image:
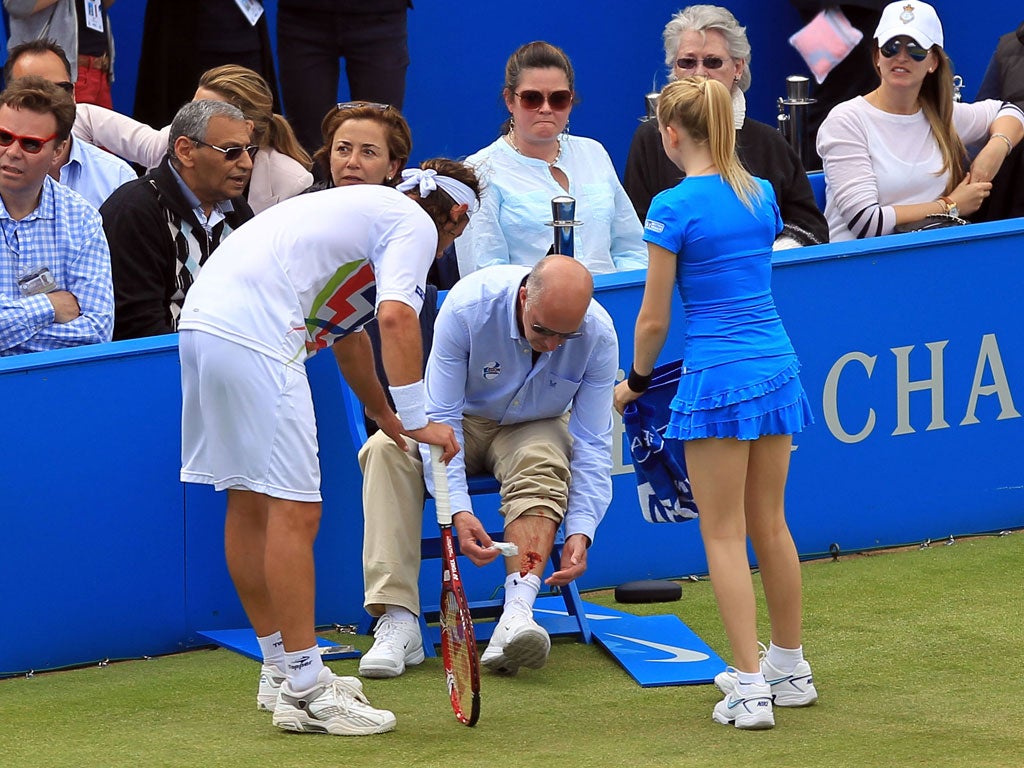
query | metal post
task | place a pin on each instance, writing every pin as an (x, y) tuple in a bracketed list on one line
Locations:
[(651, 105), (793, 122), (563, 220)]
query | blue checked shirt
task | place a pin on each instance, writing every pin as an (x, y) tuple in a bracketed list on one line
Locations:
[(480, 365), (63, 233)]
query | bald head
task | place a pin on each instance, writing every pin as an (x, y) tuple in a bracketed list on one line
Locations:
[(567, 279), (553, 304)]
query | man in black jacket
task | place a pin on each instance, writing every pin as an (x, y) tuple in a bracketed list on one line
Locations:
[(163, 227), (1004, 78)]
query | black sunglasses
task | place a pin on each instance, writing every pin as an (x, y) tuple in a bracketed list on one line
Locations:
[(33, 145), (691, 62), (914, 51), (231, 154), (66, 85), (532, 100), (538, 328)]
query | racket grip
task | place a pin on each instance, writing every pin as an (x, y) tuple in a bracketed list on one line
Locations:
[(440, 475)]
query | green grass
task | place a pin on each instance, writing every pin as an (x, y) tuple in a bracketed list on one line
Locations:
[(917, 656)]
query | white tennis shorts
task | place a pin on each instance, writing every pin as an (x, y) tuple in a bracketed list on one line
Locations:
[(247, 420)]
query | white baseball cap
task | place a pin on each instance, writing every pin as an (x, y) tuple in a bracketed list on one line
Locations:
[(913, 19)]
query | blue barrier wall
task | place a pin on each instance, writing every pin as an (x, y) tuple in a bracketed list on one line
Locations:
[(913, 355), (458, 53)]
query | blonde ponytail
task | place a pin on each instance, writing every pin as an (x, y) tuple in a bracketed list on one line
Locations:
[(703, 108)]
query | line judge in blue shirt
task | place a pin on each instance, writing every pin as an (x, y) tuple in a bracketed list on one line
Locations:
[(523, 367)]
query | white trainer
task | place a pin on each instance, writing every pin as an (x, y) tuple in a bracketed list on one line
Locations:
[(396, 644), (329, 707), (518, 641), (750, 711), (270, 686), (792, 689)]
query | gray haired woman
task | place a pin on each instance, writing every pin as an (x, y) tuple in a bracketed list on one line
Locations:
[(707, 40)]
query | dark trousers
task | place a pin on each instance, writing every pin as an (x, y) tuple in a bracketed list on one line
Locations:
[(1007, 198), (309, 46)]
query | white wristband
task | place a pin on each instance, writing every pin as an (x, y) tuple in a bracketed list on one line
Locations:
[(411, 404)]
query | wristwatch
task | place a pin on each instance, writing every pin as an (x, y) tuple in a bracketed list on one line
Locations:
[(950, 206)]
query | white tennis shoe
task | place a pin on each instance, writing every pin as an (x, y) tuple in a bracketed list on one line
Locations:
[(396, 644), (792, 689), (518, 641), (751, 711), (329, 707), (270, 686)]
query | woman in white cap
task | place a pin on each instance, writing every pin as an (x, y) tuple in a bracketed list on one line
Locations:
[(897, 155)]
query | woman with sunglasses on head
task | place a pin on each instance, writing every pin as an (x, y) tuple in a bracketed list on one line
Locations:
[(534, 160), (897, 155), (363, 143), (366, 142), (281, 167), (707, 40), (740, 400)]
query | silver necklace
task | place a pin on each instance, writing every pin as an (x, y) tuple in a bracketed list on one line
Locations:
[(551, 163)]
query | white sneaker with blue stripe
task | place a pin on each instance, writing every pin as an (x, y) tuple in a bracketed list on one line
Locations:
[(750, 710), (789, 689)]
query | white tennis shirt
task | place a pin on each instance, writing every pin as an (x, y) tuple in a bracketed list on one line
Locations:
[(312, 269)]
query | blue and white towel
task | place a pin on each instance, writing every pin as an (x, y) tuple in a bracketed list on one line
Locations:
[(662, 484)]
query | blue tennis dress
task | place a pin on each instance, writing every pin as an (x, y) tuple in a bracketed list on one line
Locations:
[(740, 375)]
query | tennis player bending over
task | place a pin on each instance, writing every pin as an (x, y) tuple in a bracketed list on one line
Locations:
[(522, 368), (304, 275)]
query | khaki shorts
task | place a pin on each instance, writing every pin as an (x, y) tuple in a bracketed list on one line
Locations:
[(530, 460)]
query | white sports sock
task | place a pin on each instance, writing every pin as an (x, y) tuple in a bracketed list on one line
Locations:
[(747, 679), (524, 588), (272, 648), (784, 659), (303, 668), (398, 613)]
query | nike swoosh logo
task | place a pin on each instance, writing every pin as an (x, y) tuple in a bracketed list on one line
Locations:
[(736, 702), (591, 616), (678, 654)]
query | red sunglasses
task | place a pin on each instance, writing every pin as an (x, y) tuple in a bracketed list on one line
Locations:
[(31, 144)]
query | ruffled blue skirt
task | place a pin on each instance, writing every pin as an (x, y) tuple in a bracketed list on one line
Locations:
[(742, 400)]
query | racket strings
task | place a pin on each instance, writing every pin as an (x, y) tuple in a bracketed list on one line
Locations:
[(460, 646)]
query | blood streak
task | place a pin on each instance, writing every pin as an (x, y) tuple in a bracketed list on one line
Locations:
[(530, 561)]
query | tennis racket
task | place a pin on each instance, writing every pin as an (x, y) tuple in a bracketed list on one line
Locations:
[(458, 643)]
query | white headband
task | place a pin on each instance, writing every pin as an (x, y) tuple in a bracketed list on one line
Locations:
[(428, 180)]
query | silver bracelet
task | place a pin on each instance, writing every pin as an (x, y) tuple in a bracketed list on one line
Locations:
[(1004, 137)]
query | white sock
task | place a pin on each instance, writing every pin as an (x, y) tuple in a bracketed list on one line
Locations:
[(398, 613), (272, 648), (523, 588), (784, 659), (747, 679), (303, 668)]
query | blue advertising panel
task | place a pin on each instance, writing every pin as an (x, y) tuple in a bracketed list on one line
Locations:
[(913, 358)]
